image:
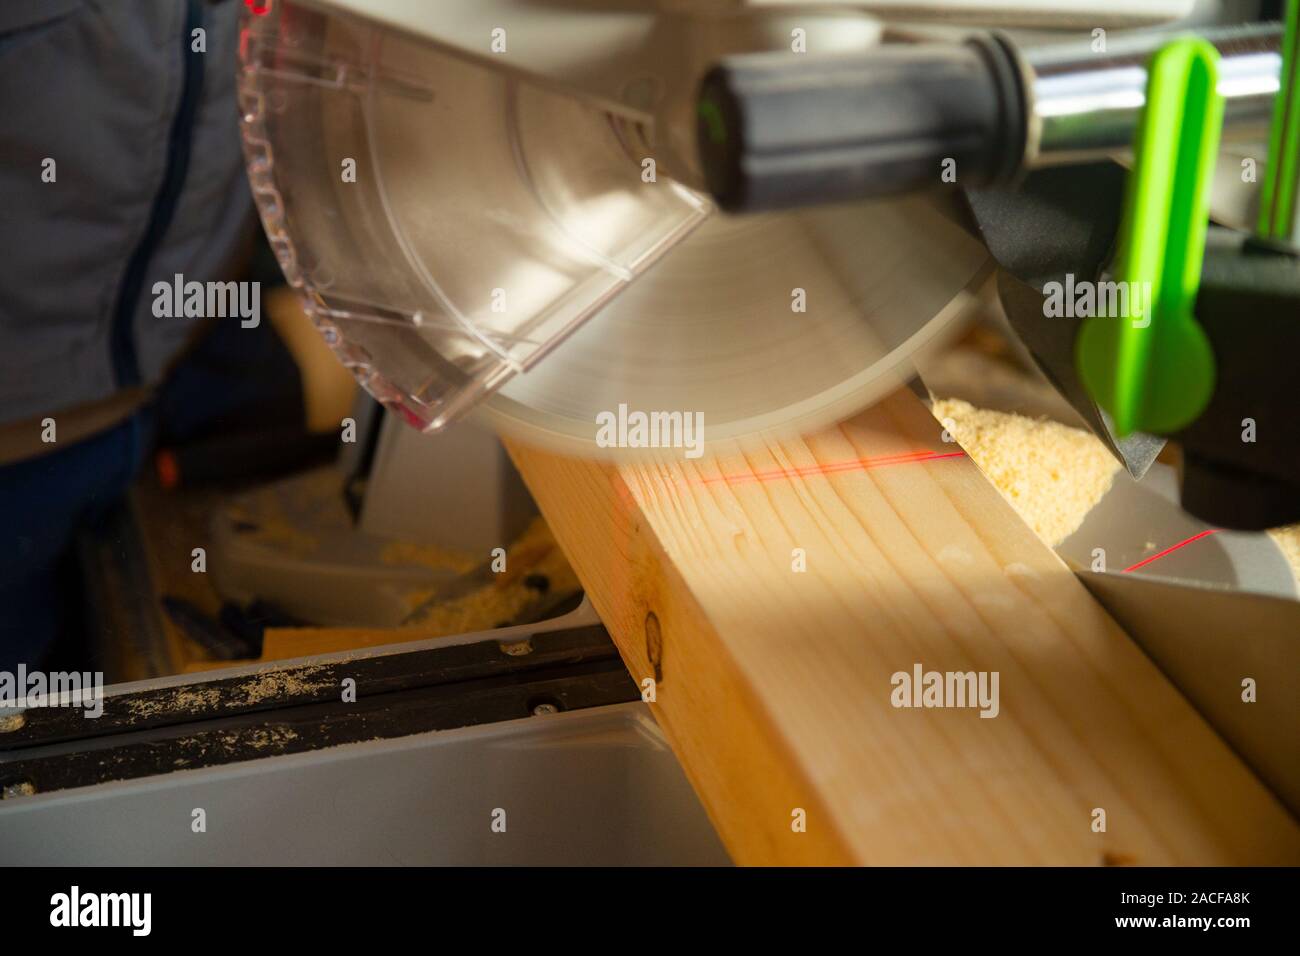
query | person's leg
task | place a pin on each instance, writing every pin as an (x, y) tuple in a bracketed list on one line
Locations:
[(43, 501)]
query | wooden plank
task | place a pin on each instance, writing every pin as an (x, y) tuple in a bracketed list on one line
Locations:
[(775, 685)]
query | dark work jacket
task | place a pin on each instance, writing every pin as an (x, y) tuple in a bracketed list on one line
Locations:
[(148, 183)]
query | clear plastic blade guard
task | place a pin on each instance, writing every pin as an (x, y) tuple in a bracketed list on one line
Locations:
[(448, 222)]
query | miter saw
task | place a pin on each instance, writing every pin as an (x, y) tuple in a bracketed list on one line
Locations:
[(541, 210), (513, 205)]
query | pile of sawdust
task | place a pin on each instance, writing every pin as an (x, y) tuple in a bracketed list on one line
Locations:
[(253, 689), (1051, 474), (277, 684), (183, 700), (534, 555), (1288, 542), (428, 556)]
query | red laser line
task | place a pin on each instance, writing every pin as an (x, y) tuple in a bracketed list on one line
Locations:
[(858, 463), (1180, 544)]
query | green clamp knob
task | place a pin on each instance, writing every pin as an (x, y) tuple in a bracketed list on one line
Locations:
[(1153, 369)]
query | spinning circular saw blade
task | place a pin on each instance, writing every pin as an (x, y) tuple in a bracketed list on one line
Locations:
[(787, 321)]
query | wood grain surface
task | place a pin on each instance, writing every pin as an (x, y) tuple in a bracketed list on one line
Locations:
[(774, 685)]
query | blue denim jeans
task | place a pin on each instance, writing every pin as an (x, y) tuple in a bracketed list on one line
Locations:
[(44, 501)]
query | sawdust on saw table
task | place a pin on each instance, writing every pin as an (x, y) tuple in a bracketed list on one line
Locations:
[(1052, 474), (508, 595)]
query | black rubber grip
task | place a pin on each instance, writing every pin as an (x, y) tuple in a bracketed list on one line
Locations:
[(782, 130)]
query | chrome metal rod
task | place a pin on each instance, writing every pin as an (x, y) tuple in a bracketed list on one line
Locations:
[(1086, 104)]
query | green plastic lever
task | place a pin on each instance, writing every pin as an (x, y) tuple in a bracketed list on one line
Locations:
[(1152, 369), (1277, 206)]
